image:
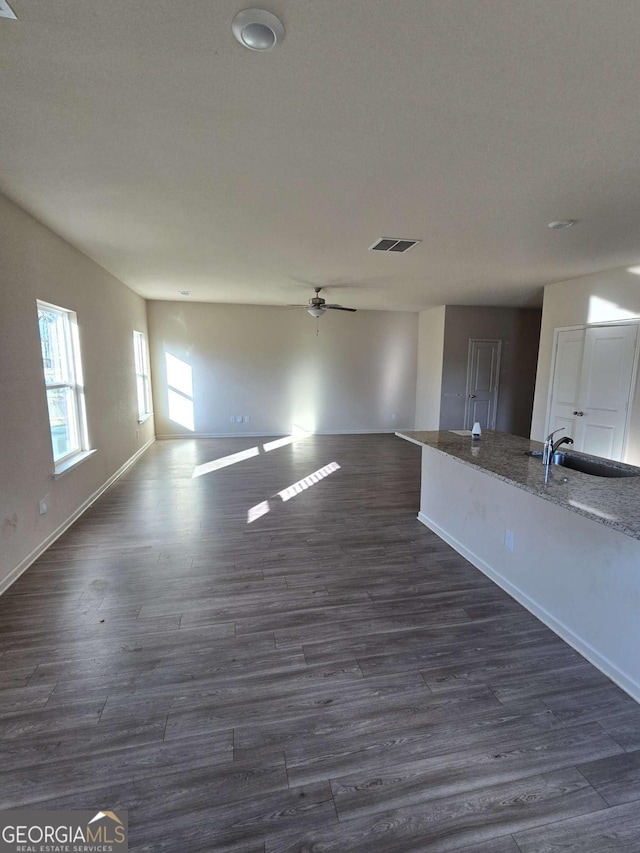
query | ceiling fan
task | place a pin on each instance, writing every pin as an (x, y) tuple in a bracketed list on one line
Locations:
[(317, 305)]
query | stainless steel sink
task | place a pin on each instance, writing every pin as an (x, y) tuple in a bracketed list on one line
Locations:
[(586, 464)]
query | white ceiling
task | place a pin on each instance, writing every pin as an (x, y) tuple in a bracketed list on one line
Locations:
[(144, 134)]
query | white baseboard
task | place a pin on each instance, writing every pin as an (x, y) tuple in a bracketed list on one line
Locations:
[(237, 434), (171, 436), (602, 663), (23, 565), (355, 432)]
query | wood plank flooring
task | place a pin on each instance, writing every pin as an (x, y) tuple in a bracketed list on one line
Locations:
[(275, 656)]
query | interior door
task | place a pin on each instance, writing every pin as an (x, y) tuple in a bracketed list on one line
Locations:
[(591, 387), (605, 388), (566, 382), (483, 378)]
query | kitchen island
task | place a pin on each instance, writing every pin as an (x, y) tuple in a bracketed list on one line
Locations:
[(567, 549)]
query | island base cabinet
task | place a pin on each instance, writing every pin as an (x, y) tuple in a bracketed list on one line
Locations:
[(581, 578)]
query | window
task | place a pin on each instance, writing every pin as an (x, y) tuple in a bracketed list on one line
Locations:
[(63, 380), (143, 386)]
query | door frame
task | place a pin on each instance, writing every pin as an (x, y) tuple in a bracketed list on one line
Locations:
[(635, 321), (468, 377)]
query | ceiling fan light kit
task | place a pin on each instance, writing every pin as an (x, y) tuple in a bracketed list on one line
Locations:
[(318, 306)]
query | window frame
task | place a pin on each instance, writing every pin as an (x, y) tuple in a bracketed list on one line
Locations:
[(71, 380), (142, 375)]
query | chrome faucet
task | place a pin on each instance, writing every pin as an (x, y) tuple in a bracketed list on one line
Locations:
[(564, 440), (547, 453)]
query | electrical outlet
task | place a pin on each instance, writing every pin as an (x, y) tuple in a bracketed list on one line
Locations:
[(247, 419), (232, 419), (509, 540), (393, 416), (238, 419), (43, 505)]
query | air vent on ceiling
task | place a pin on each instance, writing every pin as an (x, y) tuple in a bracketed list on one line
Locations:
[(393, 244), (6, 11)]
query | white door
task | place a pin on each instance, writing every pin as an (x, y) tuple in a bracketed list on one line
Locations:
[(605, 388), (483, 377), (591, 387), (566, 381)]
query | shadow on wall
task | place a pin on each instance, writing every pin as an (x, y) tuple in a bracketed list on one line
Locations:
[(515, 401)]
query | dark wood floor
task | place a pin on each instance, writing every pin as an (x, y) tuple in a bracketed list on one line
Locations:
[(328, 677)]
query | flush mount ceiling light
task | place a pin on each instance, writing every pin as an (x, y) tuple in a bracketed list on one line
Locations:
[(562, 223), (257, 29), (634, 270)]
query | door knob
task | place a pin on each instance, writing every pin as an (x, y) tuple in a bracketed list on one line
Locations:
[(578, 414), (473, 396)]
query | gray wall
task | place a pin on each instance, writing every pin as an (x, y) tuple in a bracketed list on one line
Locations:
[(519, 330)]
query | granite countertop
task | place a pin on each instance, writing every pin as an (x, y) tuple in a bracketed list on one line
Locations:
[(614, 502)]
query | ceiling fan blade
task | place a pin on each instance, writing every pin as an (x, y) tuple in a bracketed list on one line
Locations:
[(339, 308)]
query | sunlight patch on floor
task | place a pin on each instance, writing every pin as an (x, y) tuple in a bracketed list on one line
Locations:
[(306, 483), (297, 433), (224, 462), (258, 511), (291, 491)]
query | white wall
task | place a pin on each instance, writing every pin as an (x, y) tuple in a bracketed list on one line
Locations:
[(430, 361), (606, 296), (37, 264), (268, 363)]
